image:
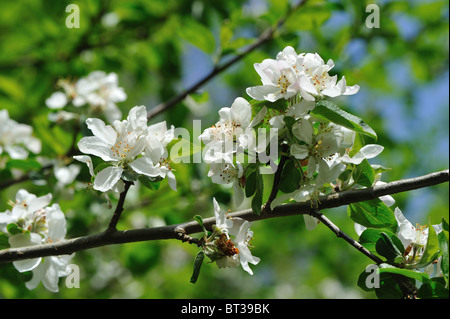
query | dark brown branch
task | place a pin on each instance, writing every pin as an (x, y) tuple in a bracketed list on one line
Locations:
[(263, 38), (340, 234), (409, 290), (276, 183), (119, 209), (181, 230)]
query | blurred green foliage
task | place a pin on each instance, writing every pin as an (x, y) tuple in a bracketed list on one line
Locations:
[(160, 47)]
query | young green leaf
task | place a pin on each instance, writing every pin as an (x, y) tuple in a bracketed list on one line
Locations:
[(197, 266), (197, 34), (24, 165), (199, 220), (431, 249), (444, 248), (329, 111), (14, 229)]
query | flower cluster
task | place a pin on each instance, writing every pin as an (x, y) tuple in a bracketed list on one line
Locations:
[(16, 139), (129, 149), (226, 140), (229, 243), (292, 74), (31, 221), (98, 90), (314, 135)]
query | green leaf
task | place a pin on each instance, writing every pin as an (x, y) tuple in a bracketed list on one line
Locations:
[(24, 165), (14, 229), (444, 224), (257, 202), (431, 249), (389, 247), (444, 248), (4, 243), (373, 214), (310, 17), (364, 174), (389, 288), (149, 182), (257, 199), (197, 34), (199, 220), (250, 184), (370, 236), (197, 266), (280, 105), (329, 111), (434, 288), (386, 268), (290, 177)]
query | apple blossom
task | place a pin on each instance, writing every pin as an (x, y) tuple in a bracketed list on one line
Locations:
[(98, 89), (229, 243), (222, 139), (120, 144), (227, 173), (293, 74), (36, 223), (16, 139)]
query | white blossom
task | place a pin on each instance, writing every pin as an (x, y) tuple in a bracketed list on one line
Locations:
[(37, 224), (119, 144), (98, 89), (16, 139)]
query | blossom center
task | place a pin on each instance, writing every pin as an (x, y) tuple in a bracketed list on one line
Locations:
[(283, 83), (228, 173), (121, 149), (226, 246), (225, 131)]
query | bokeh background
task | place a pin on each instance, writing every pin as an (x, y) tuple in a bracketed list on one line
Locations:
[(160, 47)]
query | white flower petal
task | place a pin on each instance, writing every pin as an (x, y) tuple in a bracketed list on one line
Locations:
[(56, 101), (107, 178), (144, 165), (40, 202), (310, 222), (299, 151), (270, 93), (371, 150), (95, 146), (86, 159), (24, 240), (104, 132)]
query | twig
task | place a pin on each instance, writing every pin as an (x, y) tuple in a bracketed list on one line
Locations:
[(408, 290), (173, 231), (339, 233), (119, 209)]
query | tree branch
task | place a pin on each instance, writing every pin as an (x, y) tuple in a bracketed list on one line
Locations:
[(180, 231), (119, 209), (265, 36), (340, 234)]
